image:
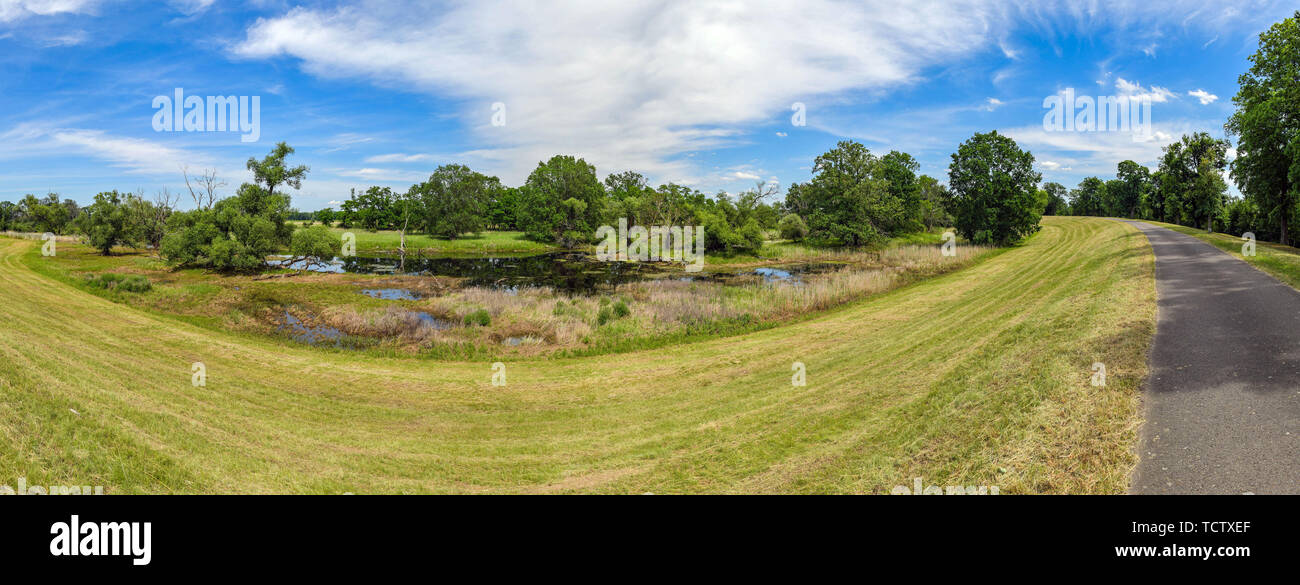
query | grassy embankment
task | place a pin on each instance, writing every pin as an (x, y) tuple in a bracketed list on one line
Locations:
[(976, 377), (1283, 262)]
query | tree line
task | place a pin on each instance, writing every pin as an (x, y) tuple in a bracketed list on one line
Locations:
[(1188, 187)]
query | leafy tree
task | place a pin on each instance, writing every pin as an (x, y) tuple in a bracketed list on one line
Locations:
[(326, 216), (561, 202), (1089, 198), (1191, 195), (239, 232), (899, 170), (45, 215), (374, 209), (108, 222), (1132, 183), (1056, 202), (849, 201), (792, 227), (936, 203), (453, 201), (270, 172), (316, 243), (1267, 124), (501, 211), (8, 216), (995, 190)]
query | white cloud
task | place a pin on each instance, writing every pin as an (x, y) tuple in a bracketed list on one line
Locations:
[(133, 154), (627, 85), (1206, 98), (12, 10), (745, 175), (991, 104), (782, 134), (1134, 89)]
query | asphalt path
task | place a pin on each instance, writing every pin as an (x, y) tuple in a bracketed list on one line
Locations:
[(1222, 403)]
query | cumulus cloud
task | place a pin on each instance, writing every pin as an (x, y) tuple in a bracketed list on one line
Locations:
[(627, 85), (1134, 89), (1206, 98)]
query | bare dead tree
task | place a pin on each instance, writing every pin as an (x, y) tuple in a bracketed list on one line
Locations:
[(204, 188), (164, 204)]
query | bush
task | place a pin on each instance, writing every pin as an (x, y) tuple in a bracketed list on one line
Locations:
[(792, 227), (111, 281), (604, 316), (316, 242), (621, 310), (479, 317)]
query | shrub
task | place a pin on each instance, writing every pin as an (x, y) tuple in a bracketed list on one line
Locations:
[(792, 227), (479, 317), (111, 281), (621, 310), (604, 316)]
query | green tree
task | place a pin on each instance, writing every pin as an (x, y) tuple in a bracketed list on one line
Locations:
[(239, 232), (1267, 124), (562, 202), (1056, 202), (107, 223), (995, 190), (316, 244), (792, 227), (848, 201), (454, 201), (1191, 196), (1132, 184), (271, 172), (936, 203), (1089, 198)]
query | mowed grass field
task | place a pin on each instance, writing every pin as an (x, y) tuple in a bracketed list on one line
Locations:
[(976, 377)]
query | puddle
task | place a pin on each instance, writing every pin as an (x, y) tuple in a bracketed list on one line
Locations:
[(391, 294), (301, 332), (431, 321)]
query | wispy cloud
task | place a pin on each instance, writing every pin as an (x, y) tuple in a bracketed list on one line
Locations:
[(13, 10)]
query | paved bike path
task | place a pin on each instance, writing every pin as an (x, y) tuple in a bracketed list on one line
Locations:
[(1223, 398)]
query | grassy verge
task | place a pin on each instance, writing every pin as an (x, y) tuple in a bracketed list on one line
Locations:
[(976, 377), (1283, 262), (484, 244)]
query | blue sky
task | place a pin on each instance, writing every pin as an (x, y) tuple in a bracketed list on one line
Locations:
[(701, 93)]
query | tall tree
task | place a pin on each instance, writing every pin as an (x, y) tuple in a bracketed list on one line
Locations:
[(1056, 202), (849, 201), (562, 201), (270, 172), (1089, 198), (453, 201), (995, 190), (1267, 125), (108, 222), (1132, 183)]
